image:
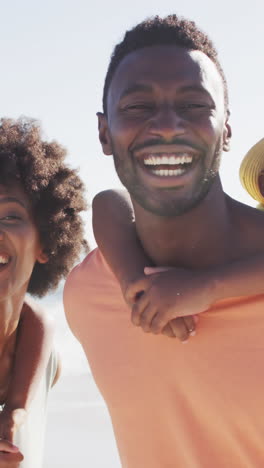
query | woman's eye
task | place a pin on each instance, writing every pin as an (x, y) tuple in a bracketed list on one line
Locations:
[(10, 218)]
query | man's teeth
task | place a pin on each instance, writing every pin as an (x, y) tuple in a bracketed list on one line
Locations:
[(153, 161), (168, 172), (167, 159), (3, 259)]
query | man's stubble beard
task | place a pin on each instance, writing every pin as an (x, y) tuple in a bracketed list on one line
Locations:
[(155, 202)]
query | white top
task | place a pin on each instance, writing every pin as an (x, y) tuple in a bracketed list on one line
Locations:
[(30, 436)]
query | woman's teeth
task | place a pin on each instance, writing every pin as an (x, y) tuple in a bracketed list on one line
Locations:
[(4, 259)]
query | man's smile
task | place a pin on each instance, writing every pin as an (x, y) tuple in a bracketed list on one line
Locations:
[(167, 162)]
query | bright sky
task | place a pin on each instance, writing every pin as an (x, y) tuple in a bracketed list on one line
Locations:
[(54, 56)]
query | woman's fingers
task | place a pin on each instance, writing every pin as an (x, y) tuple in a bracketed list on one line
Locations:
[(134, 290), (138, 308), (6, 446), (180, 329), (167, 331), (190, 323), (153, 270)]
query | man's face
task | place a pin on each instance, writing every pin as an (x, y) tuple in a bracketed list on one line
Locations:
[(166, 126)]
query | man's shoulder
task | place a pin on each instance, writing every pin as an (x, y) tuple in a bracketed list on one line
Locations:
[(92, 265), (90, 290), (246, 214), (248, 223), (88, 279)]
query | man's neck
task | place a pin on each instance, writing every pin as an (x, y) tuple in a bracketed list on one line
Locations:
[(200, 238)]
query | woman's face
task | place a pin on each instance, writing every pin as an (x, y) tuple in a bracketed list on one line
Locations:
[(19, 242)]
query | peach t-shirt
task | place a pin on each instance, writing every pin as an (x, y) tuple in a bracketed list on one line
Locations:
[(198, 405)]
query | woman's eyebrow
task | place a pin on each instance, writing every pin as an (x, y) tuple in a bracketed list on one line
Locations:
[(12, 200)]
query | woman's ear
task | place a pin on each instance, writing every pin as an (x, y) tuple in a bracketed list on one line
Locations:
[(42, 257), (104, 137)]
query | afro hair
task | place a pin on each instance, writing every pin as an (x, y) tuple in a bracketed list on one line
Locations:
[(56, 194)]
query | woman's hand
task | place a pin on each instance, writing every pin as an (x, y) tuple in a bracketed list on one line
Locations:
[(10, 456), (166, 295), (10, 421)]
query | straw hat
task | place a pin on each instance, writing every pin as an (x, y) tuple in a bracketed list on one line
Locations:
[(250, 170)]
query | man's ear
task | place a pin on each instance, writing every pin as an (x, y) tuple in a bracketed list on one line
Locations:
[(104, 134), (227, 134), (42, 257)]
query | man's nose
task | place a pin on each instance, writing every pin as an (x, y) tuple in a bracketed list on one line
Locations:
[(167, 123)]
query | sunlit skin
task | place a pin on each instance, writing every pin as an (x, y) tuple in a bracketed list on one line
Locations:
[(170, 101), (19, 250), (175, 107), (19, 243), (180, 108)]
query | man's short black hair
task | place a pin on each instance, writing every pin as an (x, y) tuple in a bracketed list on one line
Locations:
[(170, 30)]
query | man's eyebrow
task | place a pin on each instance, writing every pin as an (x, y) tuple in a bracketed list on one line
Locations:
[(135, 88), (12, 200), (147, 88), (194, 88)]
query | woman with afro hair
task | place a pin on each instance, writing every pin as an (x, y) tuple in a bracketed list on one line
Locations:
[(41, 237)]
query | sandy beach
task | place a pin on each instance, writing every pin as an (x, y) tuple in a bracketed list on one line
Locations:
[(79, 432)]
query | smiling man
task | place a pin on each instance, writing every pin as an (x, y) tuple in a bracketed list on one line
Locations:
[(141, 98), (165, 122)]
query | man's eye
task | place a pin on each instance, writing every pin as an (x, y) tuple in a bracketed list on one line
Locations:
[(136, 107), (194, 106)]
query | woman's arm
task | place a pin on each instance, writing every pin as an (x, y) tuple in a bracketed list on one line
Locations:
[(115, 234), (178, 292), (33, 349)]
